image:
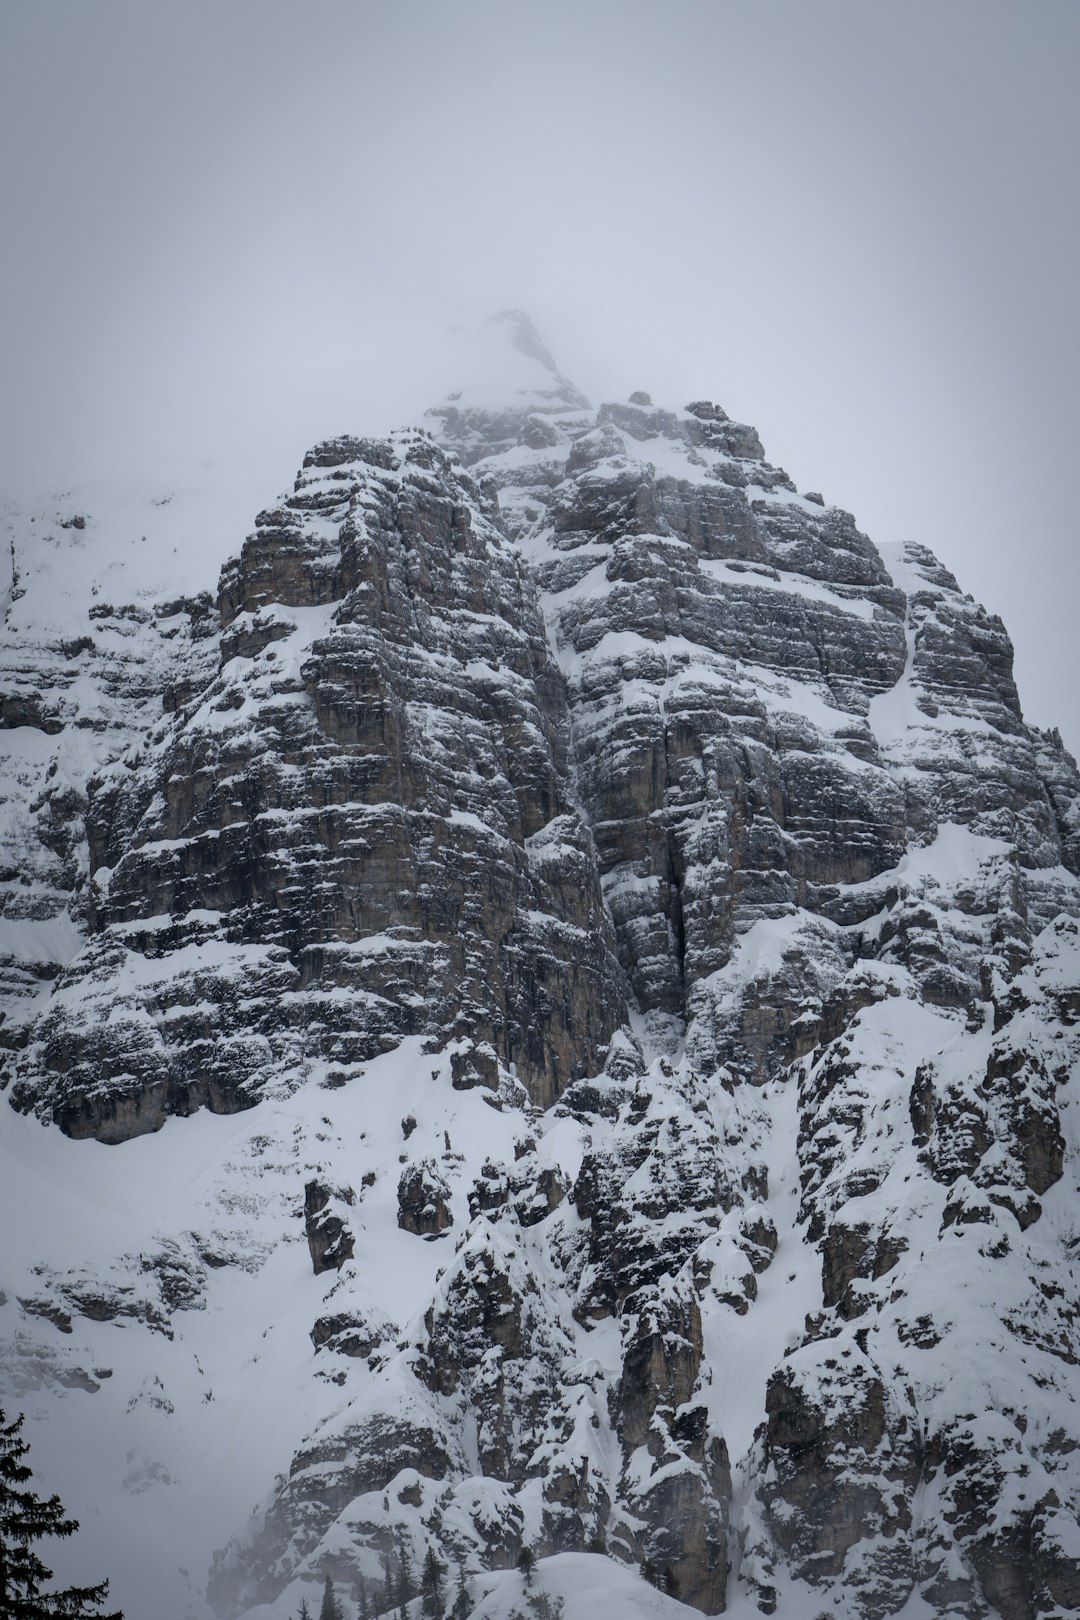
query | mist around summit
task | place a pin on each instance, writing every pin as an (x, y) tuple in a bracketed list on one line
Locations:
[(799, 212)]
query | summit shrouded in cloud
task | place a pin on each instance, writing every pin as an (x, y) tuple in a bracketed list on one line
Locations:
[(503, 362), (799, 209)]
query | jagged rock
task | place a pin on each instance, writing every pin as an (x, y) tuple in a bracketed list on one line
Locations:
[(851, 1253), (323, 1480), (423, 1200), (660, 1367), (346, 1335), (371, 798), (476, 1066), (843, 1465), (329, 1239)]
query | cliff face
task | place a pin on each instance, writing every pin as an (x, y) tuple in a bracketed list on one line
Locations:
[(360, 828), (636, 934)]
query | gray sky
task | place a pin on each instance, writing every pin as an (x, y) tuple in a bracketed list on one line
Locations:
[(231, 227)]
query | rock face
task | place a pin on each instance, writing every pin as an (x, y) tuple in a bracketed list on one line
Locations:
[(641, 934), (361, 828)]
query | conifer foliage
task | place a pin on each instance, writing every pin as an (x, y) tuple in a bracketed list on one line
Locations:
[(24, 1520), (462, 1602), (330, 1609), (431, 1587)]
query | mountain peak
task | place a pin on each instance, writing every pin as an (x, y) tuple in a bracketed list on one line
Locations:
[(524, 336), (501, 372)]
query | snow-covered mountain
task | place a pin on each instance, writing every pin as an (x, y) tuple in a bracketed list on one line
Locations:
[(540, 1011)]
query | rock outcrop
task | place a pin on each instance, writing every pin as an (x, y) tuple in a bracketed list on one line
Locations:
[(361, 827)]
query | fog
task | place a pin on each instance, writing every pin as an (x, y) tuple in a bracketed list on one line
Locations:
[(229, 229)]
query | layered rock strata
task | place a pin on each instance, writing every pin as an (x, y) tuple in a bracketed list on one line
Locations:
[(360, 828)]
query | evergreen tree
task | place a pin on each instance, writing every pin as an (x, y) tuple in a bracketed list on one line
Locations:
[(331, 1609), (543, 1607), (406, 1580), (462, 1602), (526, 1563), (305, 1612), (25, 1519), (360, 1598), (431, 1586)]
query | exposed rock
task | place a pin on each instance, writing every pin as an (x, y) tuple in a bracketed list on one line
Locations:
[(365, 825), (423, 1200), (328, 1235), (475, 1066), (345, 1335), (844, 1468)]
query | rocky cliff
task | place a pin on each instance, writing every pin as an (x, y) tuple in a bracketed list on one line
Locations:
[(631, 936)]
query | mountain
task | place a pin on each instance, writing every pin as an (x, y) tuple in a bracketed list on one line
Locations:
[(541, 1012)]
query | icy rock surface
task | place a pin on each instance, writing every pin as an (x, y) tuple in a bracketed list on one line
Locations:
[(617, 938)]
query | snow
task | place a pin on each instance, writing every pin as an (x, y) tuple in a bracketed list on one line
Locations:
[(236, 1183), (41, 940), (892, 713), (142, 542), (789, 584), (744, 1350)]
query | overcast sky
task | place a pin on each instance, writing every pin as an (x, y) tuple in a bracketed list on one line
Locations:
[(232, 227)]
